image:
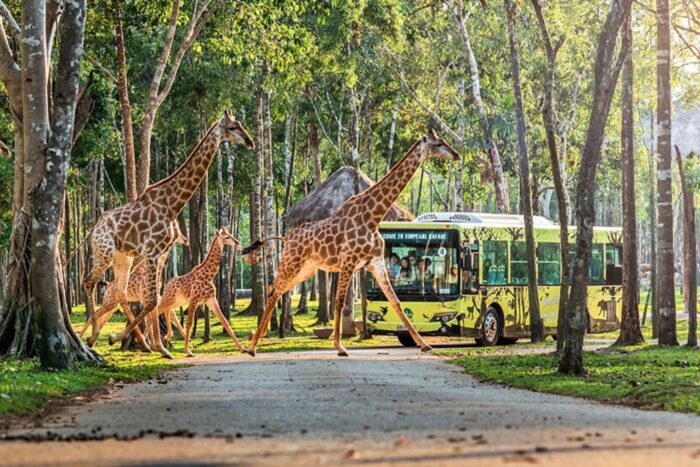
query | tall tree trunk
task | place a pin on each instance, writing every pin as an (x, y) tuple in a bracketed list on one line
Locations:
[(653, 229), (123, 93), (536, 324), (630, 332), (557, 174), (607, 70), (499, 179), (323, 307), (666, 289), (690, 260)]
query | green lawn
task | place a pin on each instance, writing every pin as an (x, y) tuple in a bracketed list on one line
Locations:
[(648, 377)]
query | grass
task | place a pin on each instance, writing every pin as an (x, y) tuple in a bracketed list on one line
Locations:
[(27, 390), (647, 377)]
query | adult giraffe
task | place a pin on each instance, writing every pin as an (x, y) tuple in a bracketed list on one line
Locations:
[(144, 227), (349, 240)]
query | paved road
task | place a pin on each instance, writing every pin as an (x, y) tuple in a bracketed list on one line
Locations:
[(379, 407)]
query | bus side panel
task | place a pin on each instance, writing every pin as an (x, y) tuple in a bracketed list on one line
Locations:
[(604, 307), (470, 310), (549, 307)]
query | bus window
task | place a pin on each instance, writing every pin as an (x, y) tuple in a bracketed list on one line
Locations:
[(613, 264), (518, 263), (470, 268), (595, 271), (548, 270), (495, 262)]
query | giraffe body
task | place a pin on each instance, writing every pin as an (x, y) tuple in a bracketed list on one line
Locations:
[(350, 240), (197, 288), (144, 227), (136, 291)]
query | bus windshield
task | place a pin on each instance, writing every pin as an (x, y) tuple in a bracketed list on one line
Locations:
[(422, 265)]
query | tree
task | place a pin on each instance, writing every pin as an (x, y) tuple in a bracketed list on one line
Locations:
[(557, 176), (499, 179), (606, 72), (44, 132), (536, 324), (630, 332), (666, 287), (690, 262)]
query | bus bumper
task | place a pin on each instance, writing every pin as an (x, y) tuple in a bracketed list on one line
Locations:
[(432, 328)]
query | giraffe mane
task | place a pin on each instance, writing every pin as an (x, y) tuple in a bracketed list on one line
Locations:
[(179, 169)]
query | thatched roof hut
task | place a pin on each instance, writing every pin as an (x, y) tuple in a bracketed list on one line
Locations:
[(325, 200)]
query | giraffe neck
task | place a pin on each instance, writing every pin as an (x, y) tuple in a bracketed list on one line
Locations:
[(379, 197), (210, 266), (175, 191)]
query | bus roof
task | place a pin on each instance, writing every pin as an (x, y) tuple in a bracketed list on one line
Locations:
[(500, 222)]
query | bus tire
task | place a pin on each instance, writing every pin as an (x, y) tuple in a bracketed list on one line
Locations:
[(406, 339), (491, 328)]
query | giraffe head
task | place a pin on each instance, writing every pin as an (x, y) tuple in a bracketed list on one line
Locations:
[(232, 130), (431, 145), (228, 239)]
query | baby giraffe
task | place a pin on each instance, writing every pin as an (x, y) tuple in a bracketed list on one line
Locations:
[(196, 288), (137, 291)]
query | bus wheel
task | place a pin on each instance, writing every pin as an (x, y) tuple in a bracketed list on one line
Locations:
[(491, 328), (406, 339)]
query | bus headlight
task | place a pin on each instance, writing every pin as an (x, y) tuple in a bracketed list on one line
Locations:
[(374, 316), (443, 317)]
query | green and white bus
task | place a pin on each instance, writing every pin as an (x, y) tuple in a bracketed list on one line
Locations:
[(465, 275)]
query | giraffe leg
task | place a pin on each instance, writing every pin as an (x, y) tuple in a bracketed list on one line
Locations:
[(102, 259), (191, 312), (377, 268), (344, 279), (177, 323), (150, 303), (288, 277), (140, 338), (168, 325), (213, 305), (157, 339), (109, 306)]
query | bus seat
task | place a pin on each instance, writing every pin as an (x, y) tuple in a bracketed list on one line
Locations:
[(501, 276), (491, 277)]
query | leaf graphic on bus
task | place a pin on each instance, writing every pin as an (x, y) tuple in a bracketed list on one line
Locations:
[(383, 310)]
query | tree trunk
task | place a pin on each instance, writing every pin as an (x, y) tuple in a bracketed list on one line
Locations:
[(606, 73), (690, 261), (536, 324), (653, 229), (666, 289), (499, 179), (557, 174), (630, 332), (123, 93)]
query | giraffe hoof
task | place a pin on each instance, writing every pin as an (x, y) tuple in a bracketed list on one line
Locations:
[(167, 355), (251, 352), (426, 348), (343, 353), (190, 355), (112, 339)]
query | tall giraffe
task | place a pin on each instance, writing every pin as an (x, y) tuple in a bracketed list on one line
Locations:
[(144, 227), (136, 291), (197, 288), (350, 240)]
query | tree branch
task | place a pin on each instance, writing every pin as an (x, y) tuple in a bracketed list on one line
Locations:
[(164, 55), (11, 23)]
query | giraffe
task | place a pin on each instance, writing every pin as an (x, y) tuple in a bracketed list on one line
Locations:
[(196, 288), (350, 240), (144, 227), (137, 290)]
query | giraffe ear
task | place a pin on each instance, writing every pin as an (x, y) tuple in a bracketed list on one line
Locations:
[(432, 132)]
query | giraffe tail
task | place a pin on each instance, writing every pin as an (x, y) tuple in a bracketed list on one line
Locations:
[(251, 253)]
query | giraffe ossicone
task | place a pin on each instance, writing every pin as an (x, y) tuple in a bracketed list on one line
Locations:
[(350, 240)]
